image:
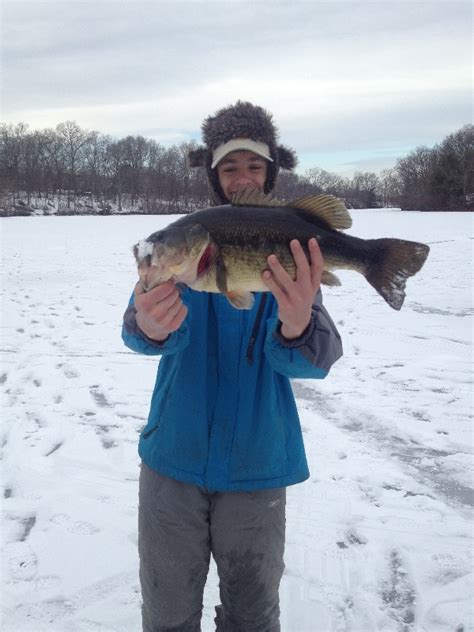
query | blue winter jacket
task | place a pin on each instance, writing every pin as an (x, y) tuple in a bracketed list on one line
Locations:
[(218, 420)]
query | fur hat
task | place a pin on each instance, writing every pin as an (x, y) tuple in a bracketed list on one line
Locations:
[(242, 120)]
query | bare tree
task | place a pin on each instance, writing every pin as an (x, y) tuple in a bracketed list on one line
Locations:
[(363, 189), (452, 177), (54, 163), (117, 165), (75, 139), (290, 186), (415, 171), (139, 172), (389, 187), (328, 182), (154, 176), (12, 139)]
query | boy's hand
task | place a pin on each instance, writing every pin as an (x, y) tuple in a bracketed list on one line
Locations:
[(159, 311), (295, 298)]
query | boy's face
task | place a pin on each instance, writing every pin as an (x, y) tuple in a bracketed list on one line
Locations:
[(241, 169)]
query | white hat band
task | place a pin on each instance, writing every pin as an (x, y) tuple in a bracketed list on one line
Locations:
[(236, 144)]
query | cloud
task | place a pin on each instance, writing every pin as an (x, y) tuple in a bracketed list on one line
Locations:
[(336, 75)]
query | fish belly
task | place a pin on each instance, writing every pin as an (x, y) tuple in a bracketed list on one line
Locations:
[(244, 266)]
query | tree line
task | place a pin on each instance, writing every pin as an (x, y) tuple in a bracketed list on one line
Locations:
[(72, 170)]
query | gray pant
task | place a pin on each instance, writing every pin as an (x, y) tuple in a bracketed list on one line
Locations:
[(180, 525)]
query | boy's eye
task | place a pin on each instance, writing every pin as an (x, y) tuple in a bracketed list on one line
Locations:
[(233, 169)]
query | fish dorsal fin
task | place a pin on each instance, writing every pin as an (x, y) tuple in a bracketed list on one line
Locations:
[(329, 209), (253, 197)]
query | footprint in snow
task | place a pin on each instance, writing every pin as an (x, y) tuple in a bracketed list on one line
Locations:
[(70, 373), (99, 397), (74, 526), (399, 593), (51, 611), (46, 582), (79, 625), (450, 568), (47, 611), (54, 448), (120, 582), (351, 538), (107, 444), (27, 524), (22, 561)]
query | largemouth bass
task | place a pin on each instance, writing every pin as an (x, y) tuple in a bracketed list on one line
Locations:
[(225, 248)]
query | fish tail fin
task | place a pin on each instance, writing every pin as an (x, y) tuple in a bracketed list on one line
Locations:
[(391, 263)]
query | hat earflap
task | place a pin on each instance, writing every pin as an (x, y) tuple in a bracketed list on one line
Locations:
[(197, 157), (286, 157)]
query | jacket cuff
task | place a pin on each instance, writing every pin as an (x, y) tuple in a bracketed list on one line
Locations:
[(151, 341), (294, 343), (174, 341), (131, 325)]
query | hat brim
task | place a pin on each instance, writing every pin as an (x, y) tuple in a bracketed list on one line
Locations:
[(240, 144)]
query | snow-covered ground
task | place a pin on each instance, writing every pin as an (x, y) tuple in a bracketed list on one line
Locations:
[(380, 537)]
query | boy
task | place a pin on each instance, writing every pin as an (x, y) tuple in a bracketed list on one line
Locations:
[(223, 438)]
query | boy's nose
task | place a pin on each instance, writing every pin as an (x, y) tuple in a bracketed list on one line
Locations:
[(243, 181)]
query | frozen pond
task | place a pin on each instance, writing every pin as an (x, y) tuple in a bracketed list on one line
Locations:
[(380, 537)]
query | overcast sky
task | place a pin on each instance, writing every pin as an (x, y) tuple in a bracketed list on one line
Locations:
[(352, 85)]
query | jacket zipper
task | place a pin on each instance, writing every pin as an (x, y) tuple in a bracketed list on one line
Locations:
[(256, 327)]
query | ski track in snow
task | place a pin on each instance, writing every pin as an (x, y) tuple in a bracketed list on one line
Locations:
[(379, 538)]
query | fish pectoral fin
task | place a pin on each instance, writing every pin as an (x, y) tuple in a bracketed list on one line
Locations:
[(221, 274), (326, 208), (240, 299), (329, 278)]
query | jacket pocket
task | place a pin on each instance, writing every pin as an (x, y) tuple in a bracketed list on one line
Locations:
[(159, 401), (259, 449), (149, 432)]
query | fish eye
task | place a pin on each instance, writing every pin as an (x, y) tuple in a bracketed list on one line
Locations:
[(157, 237)]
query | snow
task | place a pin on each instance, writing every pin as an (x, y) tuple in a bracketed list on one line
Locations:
[(144, 248), (379, 538)]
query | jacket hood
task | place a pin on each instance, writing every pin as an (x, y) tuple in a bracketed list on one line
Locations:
[(242, 120)]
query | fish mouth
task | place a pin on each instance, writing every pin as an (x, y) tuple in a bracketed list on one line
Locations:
[(146, 273)]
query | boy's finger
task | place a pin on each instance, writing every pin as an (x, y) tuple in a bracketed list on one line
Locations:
[(302, 264), (158, 293), (317, 262), (139, 289), (279, 272), (273, 286)]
